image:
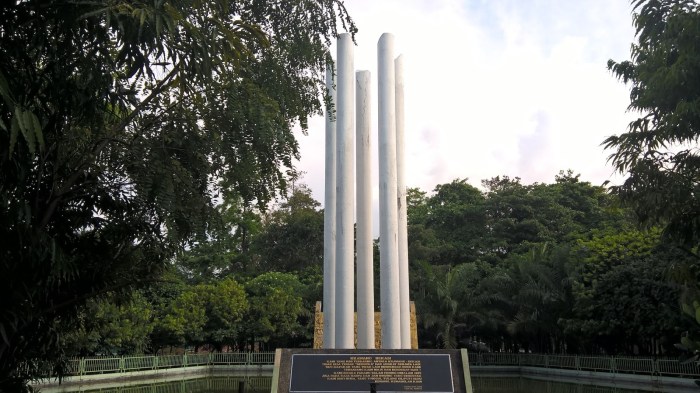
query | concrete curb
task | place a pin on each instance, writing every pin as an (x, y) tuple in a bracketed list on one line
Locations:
[(102, 381), (619, 380)]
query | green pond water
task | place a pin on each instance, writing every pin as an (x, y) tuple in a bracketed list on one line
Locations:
[(220, 384)]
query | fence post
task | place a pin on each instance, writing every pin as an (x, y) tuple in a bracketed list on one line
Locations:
[(249, 358), (184, 359), (81, 366), (155, 362), (577, 362), (121, 364), (613, 365)]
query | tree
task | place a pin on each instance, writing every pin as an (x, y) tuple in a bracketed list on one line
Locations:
[(453, 301), (658, 151), (540, 297), (225, 305), (112, 326), (226, 246), (519, 237), (202, 314), (520, 216), (121, 122), (442, 303), (623, 301), (417, 205), (185, 317), (456, 215), (275, 306), (515, 215), (590, 206), (291, 238)]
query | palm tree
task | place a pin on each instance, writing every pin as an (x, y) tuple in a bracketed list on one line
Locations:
[(453, 299), (539, 297)]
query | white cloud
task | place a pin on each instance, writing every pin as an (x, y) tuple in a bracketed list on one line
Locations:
[(496, 87)]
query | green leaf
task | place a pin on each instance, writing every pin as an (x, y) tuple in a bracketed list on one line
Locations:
[(686, 357), (33, 120), (4, 334), (172, 12), (5, 90), (96, 12), (689, 343), (25, 130), (14, 130), (159, 25), (687, 309)]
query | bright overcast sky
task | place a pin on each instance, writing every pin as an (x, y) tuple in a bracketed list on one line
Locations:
[(495, 87)]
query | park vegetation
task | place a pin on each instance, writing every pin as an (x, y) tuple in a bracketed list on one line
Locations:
[(122, 123), (545, 268), (141, 144)]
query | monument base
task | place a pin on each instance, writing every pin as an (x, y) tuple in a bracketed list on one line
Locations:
[(371, 370), (318, 328)]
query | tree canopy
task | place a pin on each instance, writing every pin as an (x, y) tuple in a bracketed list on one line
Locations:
[(122, 122), (556, 267), (659, 149)]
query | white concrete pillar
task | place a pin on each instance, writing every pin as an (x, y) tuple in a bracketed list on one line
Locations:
[(329, 213), (388, 209), (363, 237), (345, 256), (401, 201)]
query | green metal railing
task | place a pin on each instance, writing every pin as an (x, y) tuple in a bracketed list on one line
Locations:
[(124, 364), (619, 365)]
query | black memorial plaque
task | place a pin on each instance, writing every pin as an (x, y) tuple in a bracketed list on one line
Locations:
[(355, 372)]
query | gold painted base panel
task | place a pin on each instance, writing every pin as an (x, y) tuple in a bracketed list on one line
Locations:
[(318, 328)]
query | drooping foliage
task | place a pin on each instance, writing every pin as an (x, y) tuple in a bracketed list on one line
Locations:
[(659, 149), (121, 122)]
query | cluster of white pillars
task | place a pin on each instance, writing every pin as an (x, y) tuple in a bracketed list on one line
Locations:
[(342, 130)]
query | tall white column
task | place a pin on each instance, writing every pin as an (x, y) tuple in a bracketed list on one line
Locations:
[(329, 213), (363, 238), (344, 281), (402, 219), (388, 209)]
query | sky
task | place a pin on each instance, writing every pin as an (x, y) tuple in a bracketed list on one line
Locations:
[(495, 87)]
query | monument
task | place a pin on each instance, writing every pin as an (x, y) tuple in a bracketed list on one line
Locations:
[(349, 360)]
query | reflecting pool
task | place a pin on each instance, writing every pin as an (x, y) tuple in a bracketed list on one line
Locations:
[(528, 385), (248, 384)]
